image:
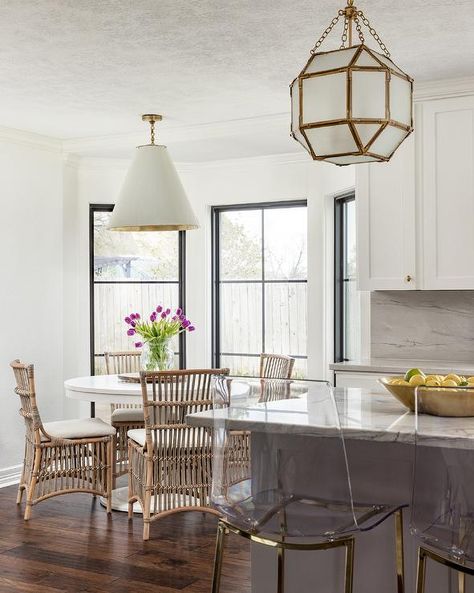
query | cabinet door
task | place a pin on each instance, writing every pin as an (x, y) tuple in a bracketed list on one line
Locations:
[(385, 204), (448, 193)]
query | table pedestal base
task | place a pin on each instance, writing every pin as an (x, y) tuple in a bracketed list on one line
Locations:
[(120, 501)]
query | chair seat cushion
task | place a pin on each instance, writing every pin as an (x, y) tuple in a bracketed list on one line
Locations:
[(137, 435), (78, 429), (127, 415)]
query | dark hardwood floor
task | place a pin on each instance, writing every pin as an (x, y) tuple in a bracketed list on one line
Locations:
[(71, 546)]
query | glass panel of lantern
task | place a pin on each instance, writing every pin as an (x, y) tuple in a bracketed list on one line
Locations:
[(332, 140), (324, 98)]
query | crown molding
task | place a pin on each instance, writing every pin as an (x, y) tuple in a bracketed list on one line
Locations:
[(289, 158), (31, 139), (443, 89), (99, 163), (86, 162), (172, 134)]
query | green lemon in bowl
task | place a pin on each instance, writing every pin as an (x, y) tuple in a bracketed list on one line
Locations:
[(412, 372)]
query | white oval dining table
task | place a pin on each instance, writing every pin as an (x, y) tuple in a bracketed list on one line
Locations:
[(109, 389), (103, 389)]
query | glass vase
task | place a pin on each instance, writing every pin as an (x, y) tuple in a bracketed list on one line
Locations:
[(157, 355)]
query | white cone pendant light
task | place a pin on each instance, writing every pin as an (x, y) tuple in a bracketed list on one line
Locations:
[(152, 196), (351, 105)]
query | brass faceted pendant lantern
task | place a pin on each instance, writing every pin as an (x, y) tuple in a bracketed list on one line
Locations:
[(351, 105)]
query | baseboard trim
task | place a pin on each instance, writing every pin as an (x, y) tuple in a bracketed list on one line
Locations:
[(10, 475)]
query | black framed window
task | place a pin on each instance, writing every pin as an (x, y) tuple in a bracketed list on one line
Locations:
[(130, 272), (259, 284), (347, 322)]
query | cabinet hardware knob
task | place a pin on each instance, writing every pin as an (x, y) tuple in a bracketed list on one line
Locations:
[(408, 278)]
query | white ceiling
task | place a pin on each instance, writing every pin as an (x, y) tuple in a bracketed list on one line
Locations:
[(71, 69)]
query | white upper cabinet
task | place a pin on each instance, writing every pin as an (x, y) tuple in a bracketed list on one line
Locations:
[(386, 222), (447, 193), (415, 214)]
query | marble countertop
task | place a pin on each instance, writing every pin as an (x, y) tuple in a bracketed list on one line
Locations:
[(363, 414), (397, 366)]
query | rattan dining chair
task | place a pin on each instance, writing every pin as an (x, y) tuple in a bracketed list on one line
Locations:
[(442, 509), (288, 500), (272, 366), (64, 456), (170, 461), (276, 366), (124, 417)]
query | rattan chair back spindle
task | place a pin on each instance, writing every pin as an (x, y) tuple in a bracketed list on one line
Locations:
[(52, 465), (117, 363), (122, 362), (171, 471), (276, 366), (25, 388)]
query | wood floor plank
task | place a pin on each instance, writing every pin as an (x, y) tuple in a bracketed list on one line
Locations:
[(71, 546)]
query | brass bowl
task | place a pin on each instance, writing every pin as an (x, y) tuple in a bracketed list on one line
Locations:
[(437, 401)]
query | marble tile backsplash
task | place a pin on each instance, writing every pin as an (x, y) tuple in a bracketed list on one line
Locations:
[(423, 325)]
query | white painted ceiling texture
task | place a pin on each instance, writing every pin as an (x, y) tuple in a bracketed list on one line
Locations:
[(72, 69)]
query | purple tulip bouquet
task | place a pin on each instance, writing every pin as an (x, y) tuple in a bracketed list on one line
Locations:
[(157, 333)]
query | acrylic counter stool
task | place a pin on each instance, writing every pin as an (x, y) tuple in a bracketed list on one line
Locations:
[(442, 514), (275, 504)]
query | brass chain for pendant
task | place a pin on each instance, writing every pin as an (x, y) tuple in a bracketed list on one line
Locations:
[(331, 26), (373, 32), (359, 30), (350, 13), (152, 125), (344, 33)]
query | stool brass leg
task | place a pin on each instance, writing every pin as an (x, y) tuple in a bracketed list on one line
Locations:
[(399, 551), (216, 577), (281, 552), (281, 570), (421, 571), (461, 582), (349, 573)]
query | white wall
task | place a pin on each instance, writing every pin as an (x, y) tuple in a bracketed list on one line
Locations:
[(45, 266), (231, 182), (89, 181), (324, 183), (31, 280), (285, 177)]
